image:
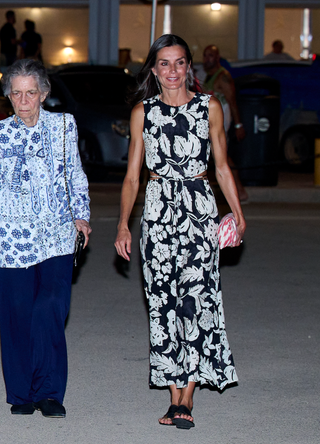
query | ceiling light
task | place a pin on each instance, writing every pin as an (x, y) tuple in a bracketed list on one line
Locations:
[(215, 6)]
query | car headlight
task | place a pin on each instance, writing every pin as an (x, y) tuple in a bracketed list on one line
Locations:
[(122, 128)]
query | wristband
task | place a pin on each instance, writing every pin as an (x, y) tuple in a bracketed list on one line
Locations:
[(238, 125)]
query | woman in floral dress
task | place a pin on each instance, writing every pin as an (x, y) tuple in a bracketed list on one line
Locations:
[(174, 129)]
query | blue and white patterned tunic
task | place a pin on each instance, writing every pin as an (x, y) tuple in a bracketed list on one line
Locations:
[(35, 221)]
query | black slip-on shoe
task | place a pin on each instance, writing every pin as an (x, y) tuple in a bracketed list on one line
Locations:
[(50, 408), (22, 409)]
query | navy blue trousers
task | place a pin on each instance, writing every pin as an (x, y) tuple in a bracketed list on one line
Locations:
[(34, 304)]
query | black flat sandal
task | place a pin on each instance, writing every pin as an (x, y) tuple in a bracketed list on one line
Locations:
[(169, 415), (182, 423)]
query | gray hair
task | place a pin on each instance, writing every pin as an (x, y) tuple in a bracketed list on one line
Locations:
[(26, 68)]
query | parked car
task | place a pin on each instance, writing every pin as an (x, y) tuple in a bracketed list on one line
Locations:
[(299, 104), (96, 96)]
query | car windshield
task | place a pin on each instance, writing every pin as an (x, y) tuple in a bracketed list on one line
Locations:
[(99, 87)]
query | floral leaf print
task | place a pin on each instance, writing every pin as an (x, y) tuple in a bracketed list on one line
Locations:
[(204, 251), (179, 146), (157, 233), (187, 199), (156, 302), (169, 349), (165, 144), (194, 167), (191, 274), (230, 373), (158, 378), (189, 118), (173, 288), (180, 328), (203, 129), (191, 329), (206, 321), (190, 147), (182, 259), (147, 273), (161, 252), (187, 225), (156, 117), (194, 146), (157, 335), (151, 147), (171, 323), (191, 114), (211, 232), (167, 188), (199, 296), (168, 171), (153, 203), (167, 215), (203, 205), (207, 344), (193, 358), (183, 356), (207, 373), (163, 363)]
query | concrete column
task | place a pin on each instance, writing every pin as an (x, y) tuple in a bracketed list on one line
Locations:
[(103, 31), (251, 29)]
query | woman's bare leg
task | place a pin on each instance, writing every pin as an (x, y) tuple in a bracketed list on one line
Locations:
[(186, 399), (175, 397)]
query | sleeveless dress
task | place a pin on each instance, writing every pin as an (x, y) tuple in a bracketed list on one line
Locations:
[(179, 250)]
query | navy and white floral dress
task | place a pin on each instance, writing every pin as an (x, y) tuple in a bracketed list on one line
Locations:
[(179, 248)]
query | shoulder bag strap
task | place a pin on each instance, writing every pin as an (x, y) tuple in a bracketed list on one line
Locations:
[(65, 169)]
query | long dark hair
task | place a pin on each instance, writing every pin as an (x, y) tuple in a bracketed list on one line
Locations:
[(146, 83)]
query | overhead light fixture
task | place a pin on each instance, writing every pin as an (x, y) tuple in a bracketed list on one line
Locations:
[(215, 6), (68, 52)]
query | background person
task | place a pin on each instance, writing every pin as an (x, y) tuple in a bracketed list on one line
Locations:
[(37, 241), (220, 84), (173, 127), (31, 42), (8, 39), (277, 52)]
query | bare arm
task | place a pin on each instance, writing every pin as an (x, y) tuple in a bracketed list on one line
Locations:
[(223, 173), (130, 185)]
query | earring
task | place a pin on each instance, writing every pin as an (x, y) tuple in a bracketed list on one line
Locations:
[(187, 84), (158, 84)]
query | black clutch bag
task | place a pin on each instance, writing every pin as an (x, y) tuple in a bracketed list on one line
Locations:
[(80, 239)]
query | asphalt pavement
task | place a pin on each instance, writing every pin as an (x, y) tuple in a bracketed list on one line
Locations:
[(272, 307)]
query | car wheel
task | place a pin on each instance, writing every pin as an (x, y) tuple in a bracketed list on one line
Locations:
[(298, 150)]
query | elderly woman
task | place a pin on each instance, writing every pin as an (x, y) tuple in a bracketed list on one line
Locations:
[(37, 239)]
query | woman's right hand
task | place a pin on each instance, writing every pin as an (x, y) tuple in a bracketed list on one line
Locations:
[(123, 243)]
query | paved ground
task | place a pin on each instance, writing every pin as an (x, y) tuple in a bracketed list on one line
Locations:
[(272, 305)]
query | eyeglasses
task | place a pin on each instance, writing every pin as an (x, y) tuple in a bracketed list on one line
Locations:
[(32, 94)]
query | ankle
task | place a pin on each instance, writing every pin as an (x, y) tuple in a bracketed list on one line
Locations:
[(186, 402)]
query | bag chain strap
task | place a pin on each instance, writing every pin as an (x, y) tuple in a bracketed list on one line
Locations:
[(65, 169)]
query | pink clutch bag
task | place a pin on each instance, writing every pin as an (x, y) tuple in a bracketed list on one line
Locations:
[(227, 232)]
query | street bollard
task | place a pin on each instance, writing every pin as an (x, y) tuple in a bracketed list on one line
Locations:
[(317, 162)]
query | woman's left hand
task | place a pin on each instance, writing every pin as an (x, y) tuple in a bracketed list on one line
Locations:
[(83, 225), (241, 227)]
